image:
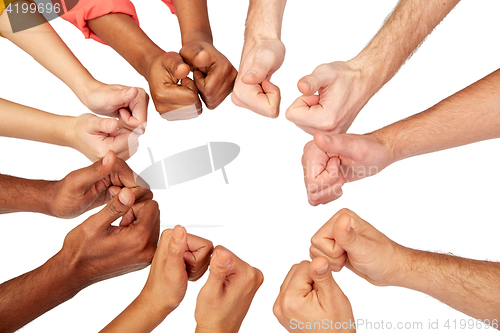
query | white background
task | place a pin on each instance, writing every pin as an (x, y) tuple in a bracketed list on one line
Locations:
[(446, 201)]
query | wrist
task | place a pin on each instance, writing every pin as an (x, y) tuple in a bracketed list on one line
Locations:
[(198, 36), (386, 139), (372, 74)]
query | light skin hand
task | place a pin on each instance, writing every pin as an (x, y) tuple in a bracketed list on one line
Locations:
[(224, 300), (129, 105), (329, 161), (179, 257), (342, 91), (90, 187), (253, 89), (94, 137), (347, 240), (310, 294)]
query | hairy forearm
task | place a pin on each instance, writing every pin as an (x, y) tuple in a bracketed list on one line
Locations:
[(264, 19), (48, 49), (193, 21), (30, 295), (141, 316), (123, 34), (469, 286), (405, 29), (24, 195), (470, 115), (23, 122)]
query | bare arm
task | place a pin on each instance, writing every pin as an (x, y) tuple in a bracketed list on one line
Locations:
[(263, 54), (335, 93), (15, 191), (469, 286)]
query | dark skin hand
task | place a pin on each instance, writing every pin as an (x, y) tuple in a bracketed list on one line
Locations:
[(78, 192), (93, 251)]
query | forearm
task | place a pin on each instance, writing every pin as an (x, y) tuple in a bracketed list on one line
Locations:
[(30, 295), (193, 21), (264, 19), (24, 195), (123, 34), (469, 286), (23, 122), (470, 115), (48, 49), (139, 317), (405, 29)]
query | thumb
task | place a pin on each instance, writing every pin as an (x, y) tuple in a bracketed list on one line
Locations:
[(195, 55), (175, 264), (310, 84), (335, 144), (128, 94), (345, 232), (219, 268), (89, 176), (320, 272), (118, 206), (104, 125), (260, 69)]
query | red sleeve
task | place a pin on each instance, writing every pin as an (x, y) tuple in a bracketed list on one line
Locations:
[(170, 5), (90, 9)]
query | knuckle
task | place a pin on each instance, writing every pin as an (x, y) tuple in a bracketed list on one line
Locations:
[(114, 208)]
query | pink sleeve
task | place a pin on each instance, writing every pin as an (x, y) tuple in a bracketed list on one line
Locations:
[(89, 9), (170, 5)]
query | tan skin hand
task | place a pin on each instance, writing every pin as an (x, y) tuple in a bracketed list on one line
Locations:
[(310, 294), (224, 300)]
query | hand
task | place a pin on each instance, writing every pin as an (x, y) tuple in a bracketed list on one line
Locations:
[(309, 294), (213, 74), (129, 105), (173, 101), (98, 250), (348, 240), (179, 257), (90, 187), (343, 90), (343, 158), (253, 89), (224, 300), (94, 137)]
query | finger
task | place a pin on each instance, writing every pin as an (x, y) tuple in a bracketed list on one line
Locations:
[(195, 55), (306, 111), (175, 265), (301, 282), (217, 84), (197, 256), (135, 116), (288, 277), (338, 144), (263, 99), (319, 78), (264, 61), (221, 263), (122, 175), (116, 207), (104, 125), (191, 107), (327, 288), (175, 65), (324, 240), (90, 176)]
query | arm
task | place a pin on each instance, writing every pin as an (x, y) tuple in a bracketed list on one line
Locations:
[(78, 192), (263, 53), (77, 266), (89, 134), (344, 88), (213, 74), (162, 70), (48, 49), (179, 257), (470, 115), (470, 286)]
